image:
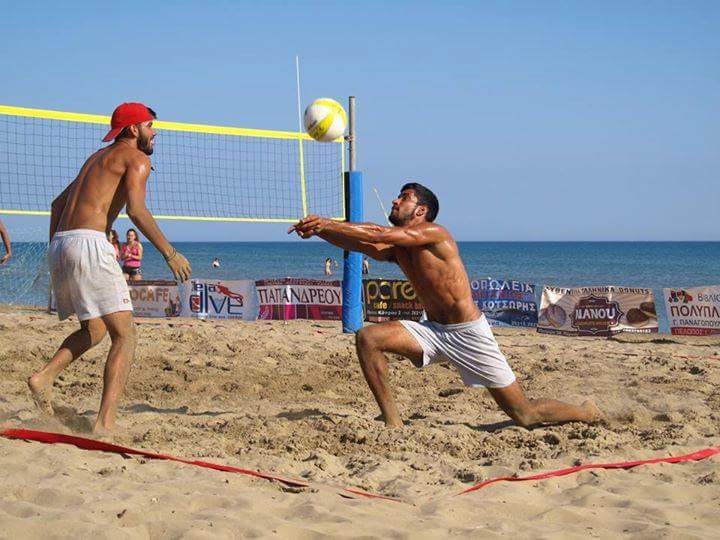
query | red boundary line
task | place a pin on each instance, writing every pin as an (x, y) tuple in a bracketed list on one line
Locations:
[(367, 495), (91, 444), (693, 456)]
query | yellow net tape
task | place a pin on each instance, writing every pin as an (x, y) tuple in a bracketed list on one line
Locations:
[(202, 172)]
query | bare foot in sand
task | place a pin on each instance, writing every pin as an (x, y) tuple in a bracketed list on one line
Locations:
[(595, 415), (113, 433), (41, 392)]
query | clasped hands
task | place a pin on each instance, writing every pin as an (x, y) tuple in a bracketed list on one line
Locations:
[(309, 226)]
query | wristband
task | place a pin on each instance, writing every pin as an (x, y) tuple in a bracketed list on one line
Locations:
[(170, 257)]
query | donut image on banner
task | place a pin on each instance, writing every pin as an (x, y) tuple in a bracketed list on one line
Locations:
[(597, 311)]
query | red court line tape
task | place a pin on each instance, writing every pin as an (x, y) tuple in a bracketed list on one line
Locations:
[(367, 495), (91, 444), (693, 456)]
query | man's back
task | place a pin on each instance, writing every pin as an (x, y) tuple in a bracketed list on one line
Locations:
[(98, 193)]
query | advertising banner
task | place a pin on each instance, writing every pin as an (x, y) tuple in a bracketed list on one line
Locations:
[(597, 311), (155, 298), (211, 298), (693, 311), (298, 298), (390, 299), (505, 302)]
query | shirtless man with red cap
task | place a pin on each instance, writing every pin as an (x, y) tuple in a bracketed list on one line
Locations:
[(86, 279)]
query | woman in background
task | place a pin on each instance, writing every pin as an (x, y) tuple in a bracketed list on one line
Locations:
[(132, 253)]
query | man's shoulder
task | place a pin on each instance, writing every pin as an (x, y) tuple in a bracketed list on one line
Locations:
[(431, 227), (137, 158), (129, 157), (136, 161)]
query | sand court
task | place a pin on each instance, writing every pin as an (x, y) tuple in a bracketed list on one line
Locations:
[(290, 399)]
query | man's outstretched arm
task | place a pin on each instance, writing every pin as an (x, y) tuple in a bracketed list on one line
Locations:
[(411, 236), (135, 185), (379, 252)]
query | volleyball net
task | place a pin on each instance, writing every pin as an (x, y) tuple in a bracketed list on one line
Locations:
[(201, 172)]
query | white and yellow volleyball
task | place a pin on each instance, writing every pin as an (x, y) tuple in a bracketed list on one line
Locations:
[(325, 120)]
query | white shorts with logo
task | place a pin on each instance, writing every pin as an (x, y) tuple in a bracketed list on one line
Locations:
[(86, 278), (470, 347)]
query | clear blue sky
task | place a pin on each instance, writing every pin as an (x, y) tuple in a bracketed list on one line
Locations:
[(531, 120)]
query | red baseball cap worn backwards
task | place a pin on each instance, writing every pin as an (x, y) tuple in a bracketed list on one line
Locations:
[(127, 114)]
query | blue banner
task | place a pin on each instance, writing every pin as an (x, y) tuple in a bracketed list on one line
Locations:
[(505, 302)]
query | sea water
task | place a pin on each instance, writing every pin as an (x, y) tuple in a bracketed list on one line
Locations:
[(569, 264)]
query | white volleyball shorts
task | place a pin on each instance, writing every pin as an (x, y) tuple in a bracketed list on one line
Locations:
[(86, 278), (470, 347)]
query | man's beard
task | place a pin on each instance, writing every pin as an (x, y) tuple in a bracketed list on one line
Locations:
[(397, 219), (145, 146)]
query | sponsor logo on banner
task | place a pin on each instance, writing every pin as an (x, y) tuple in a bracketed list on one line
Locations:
[(505, 302), (390, 299), (155, 298), (297, 298), (597, 311), (220, 299), (595, 315), (693, 311)]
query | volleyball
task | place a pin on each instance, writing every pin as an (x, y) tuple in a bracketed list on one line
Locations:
[(325, 120)]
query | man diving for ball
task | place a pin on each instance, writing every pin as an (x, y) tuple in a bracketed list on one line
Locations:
[(455, 329)]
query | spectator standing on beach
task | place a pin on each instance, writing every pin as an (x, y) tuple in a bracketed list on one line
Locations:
[(6, 241), (115, 241), (132, 254), (365, 266), (328, 266), (216, 263)]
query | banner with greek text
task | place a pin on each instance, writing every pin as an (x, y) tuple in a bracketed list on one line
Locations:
[(155, 298), (211, 298), (390, 299), (694, 311), (597, 311), (298, 298), (505, 302)]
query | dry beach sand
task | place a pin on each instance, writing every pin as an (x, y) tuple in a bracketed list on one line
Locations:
[(290, 399)]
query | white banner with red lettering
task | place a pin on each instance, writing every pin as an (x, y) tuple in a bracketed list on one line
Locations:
[(597, 311), (694, 311), (212, 298), (155, 298), (299, 298)]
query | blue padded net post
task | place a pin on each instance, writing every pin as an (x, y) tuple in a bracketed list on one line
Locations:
[(352, 314)]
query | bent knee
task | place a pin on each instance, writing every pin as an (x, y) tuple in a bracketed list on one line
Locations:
[(96, 336), (124, 332), (365, 339), (95, 331)]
